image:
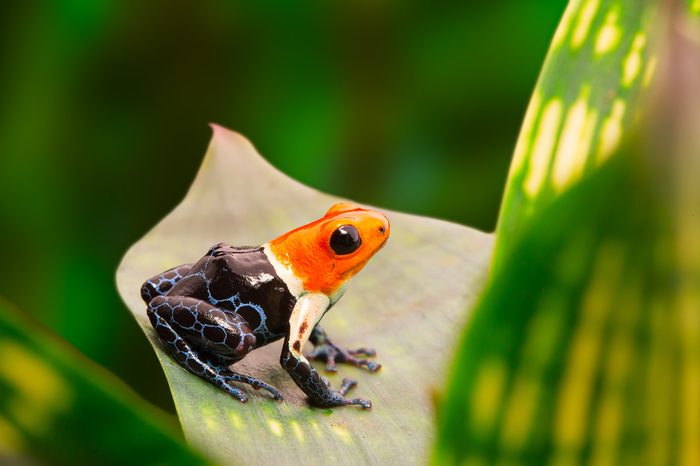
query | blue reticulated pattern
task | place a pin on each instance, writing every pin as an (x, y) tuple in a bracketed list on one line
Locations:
[(162, 283), (211, 314), (203, 337), (234, 303), (222, 343)]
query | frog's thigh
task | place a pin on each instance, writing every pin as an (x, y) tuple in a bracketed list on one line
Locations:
[(163, 282), (214, 330)]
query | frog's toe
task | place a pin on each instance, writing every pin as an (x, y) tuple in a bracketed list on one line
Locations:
[(259, 384), (330, 365), (364, 404), (366, 352), (347, 385), (328, 353), (339, 399), (357, 358), (236, 393), (373, 366), (271, 390), (333, 354)]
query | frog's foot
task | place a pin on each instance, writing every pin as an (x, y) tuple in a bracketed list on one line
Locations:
[(362, 403), (235, 392), (347, 385), (333, 354), (257, 384), (338, 398)]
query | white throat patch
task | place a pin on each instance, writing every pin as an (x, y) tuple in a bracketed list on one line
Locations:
[(294, 284)]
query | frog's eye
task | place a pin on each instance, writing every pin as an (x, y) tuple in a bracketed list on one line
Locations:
[(345, 239)]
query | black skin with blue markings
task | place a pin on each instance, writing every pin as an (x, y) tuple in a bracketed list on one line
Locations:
[(210, 314)]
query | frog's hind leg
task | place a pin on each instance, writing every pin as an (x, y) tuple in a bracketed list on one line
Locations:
[(163, 282), (205, 339)]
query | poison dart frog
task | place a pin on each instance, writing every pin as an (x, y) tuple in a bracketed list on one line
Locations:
[(212, 313)]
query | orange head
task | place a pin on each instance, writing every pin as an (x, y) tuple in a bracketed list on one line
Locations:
[(327, 252)]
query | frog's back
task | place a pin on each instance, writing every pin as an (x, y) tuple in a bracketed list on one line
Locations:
[(241, 279)]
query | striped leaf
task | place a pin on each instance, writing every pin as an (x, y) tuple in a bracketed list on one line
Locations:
[(408, 303), (599, 63), (57, 408), (585, 347)]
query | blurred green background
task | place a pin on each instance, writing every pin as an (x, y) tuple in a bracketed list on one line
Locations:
[(414, 106)]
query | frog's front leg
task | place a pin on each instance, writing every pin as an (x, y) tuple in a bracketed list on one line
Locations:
[(325, 350), (306, 313), (205, 339)]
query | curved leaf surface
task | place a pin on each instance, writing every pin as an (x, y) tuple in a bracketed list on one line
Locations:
[(408, 303), (585, 347), (57, 408), (599, 64)]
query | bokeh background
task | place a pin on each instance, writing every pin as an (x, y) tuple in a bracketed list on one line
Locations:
[(104, 105)]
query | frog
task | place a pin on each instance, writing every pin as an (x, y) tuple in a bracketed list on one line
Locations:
[(210, 314)]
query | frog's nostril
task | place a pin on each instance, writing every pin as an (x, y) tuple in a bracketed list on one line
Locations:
[(382, 230)]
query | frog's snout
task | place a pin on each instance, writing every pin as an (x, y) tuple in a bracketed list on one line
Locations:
[(383, 229), (384, 226)]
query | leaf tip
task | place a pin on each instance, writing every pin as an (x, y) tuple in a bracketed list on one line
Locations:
[(227, 142), (221, 133)]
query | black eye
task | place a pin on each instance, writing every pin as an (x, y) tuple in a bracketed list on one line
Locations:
[(345, 239)]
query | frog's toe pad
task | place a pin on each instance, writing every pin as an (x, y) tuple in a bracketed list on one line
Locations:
[(236, 393), (257, 385)]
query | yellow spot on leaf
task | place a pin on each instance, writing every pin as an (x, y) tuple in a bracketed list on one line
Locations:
[(37, 392), (633, 61), (487, 394), (689, 330), (564, 25), (209, 418), (542, 147), (566, 166), (573, 405), (660, 397), (584, 145), (585, 17), (525, 138), (619, 357), (609, 34), (611, 131), (342, 433), (236, 421), (695, 7), (275, 427), (316, 428), (296, 430), (520, 412), (11, 440), (544, 331)]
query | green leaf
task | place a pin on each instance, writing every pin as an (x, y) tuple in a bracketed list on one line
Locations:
[(587, 96), (58, 408), (585, 347), (408, 303)]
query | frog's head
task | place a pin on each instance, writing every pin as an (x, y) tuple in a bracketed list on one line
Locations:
[(324, 254)]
